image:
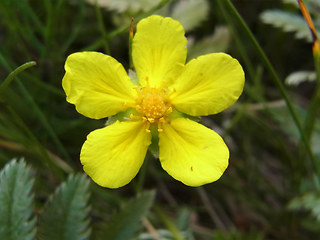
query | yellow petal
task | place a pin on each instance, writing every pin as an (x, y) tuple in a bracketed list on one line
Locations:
[(208, 85), (97, 84), (112, 156), (159, 50), (192, 153)]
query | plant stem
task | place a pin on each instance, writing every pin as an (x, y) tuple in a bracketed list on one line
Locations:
[(125, 27), (274, 77), (130, 43), (38, 112), (102, 28), (142, 173), (315, 101), (43, 120), (55, 166), (168, 223)]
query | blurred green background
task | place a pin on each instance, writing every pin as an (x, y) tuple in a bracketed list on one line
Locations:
[(270, 190)]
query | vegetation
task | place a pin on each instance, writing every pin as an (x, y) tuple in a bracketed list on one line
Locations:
[(271, 189)]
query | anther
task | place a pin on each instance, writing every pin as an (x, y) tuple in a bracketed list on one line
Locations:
[(160, 124), (152, 105), (147, 81), (134, 117), (147, 127), (164, 91), (151, 120), (170, 93), (138, 108)]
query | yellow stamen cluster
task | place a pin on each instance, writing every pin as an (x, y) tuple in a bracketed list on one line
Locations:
[(153, 106)]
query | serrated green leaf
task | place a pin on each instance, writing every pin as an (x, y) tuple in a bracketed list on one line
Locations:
[(218, 42), (126, 5), (298, 77), (16, 216), (288, 22), (309, 201), (124, 224), (65, 216), (190, 13), (312, 5), (293, 2)]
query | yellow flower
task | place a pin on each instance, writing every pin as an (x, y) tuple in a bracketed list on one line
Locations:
[(155, 109)]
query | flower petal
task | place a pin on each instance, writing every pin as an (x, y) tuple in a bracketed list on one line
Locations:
[(159, 50), (97, 84), (192, 153), (112, 156), (208, 85)]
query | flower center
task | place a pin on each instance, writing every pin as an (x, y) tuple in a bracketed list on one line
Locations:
[(153, 106)]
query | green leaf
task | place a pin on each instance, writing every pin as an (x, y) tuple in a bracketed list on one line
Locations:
[(289, 22), (16, 218), (162, 233), (218, 42), (65, 216), (126, 5), (312, 6), (191, 13), (295, 78), (124, 224), (293, 2), (170, 225), (309, 201)]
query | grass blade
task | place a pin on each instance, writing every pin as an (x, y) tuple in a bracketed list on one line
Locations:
[(274, 76), (14, 73)]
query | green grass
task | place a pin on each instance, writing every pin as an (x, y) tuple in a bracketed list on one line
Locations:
[(271, 188)]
